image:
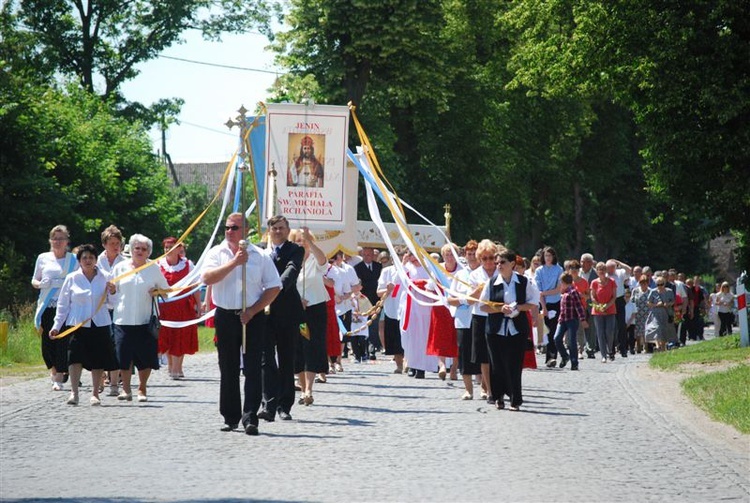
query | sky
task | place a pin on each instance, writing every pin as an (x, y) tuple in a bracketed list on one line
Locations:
[(212, 95)]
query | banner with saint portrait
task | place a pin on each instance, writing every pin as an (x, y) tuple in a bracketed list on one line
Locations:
[(306, 164)]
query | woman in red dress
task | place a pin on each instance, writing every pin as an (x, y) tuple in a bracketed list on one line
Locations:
[(442, 340), (177, 342), (529, 356), (333, 341)]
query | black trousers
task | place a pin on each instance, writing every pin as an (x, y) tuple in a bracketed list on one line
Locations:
[(551, 324), (621, 338), (726, 320), (229, 348), (506, 365), (278, 378)]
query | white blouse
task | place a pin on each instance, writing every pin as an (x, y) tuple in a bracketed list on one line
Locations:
[(80, 300), (310, 283), (132, 301), (50, 268)]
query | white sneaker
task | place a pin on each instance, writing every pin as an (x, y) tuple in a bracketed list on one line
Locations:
[(142, 397), (125, 396), (57, 386), (94, 401)]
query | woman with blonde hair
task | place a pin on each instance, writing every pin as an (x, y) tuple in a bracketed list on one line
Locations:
[(49, 275), (724, 305), (478, 278)]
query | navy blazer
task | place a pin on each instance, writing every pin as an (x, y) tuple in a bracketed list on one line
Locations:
[(369, 279), (287, 306)]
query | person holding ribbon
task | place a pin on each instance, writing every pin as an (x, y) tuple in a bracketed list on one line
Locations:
[(478, 278), (390, 286), (108, 259), (137, 281), (49, 275), (505, 300), (312, 356), (178, 342), (83, 300)]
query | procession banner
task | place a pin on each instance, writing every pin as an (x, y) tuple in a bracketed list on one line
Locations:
[(345, 239), (306, 165)]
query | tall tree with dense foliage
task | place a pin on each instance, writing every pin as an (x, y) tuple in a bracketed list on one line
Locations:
[(682, 70)]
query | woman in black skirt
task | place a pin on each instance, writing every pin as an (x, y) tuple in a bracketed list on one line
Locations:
[(83, 299), (312, 356)]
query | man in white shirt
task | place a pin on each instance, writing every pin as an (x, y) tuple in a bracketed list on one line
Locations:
[(223, 270)]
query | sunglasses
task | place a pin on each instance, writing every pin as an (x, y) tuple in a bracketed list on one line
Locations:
[(487, 259), (231, 227)]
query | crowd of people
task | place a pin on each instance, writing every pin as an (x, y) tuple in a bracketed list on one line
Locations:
[(287, 317)]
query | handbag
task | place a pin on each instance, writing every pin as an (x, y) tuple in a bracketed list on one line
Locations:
[(153, 322)]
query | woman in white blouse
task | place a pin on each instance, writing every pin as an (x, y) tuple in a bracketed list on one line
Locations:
[(49, 274), (83, 299), (132, 302), (311, 347)]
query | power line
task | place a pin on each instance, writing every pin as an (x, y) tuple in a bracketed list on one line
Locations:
[(206, 128), (231, 67)]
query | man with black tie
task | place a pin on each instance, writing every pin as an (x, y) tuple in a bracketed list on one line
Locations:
[(283, 324), (368, 272)]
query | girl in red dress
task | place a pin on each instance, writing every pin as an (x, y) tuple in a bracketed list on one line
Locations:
[(177, 342), (442, 340), (333, 341)]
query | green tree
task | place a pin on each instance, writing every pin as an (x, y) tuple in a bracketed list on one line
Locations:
[(680, 68), (64, 158)]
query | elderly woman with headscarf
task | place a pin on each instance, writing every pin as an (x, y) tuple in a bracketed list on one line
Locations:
[(140, 280), (83, 300), (49, 274)]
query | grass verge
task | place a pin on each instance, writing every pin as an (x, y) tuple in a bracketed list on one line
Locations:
[(723, 394), (720, 349)]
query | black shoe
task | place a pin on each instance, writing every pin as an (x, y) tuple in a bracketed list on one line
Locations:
[(625, 355), (591, 355), (573, 366), (251, 429), (419, 374), (373, 357), (411, 372), (266, 415), (229, 427), (500, 404), (284, 415), (563, 363), (491, 400)]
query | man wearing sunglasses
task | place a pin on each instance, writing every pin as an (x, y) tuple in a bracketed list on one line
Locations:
[(223, 270)]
